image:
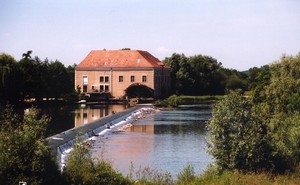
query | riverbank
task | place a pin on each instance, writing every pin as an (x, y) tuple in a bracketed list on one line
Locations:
[(175, 101)]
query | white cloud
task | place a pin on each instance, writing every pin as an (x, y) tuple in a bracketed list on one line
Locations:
[(163, 50)]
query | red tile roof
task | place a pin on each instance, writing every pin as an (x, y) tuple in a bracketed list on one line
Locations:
[(120, 59)]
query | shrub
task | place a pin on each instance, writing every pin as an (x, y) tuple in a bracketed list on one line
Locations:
[(81, 169), (174, 100), (187, 175), (25, 155), (238, 135)]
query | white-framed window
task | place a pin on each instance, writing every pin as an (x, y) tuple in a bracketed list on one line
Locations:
[(85, 80)]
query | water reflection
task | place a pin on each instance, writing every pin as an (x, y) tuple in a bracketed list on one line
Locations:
[(69, 116), (167, 141), (90, 113)]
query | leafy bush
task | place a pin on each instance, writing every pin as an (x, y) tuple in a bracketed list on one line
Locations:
[(152, 176), (238, 135), (187, 175), (81, 169), (174, 100), (24, 154)]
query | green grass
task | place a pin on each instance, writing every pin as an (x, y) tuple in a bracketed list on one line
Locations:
[(200, 99), (234, 177), (212, 176)]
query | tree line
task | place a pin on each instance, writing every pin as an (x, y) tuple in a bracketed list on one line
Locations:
[(34, 78), (195, 75), (202, 75)]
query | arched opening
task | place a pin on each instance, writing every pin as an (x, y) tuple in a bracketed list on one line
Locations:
[(139, 91)]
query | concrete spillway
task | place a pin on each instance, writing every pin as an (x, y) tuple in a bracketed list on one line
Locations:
[(59, 143)]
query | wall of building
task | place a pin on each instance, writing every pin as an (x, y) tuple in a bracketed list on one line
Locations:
[(116, 87)]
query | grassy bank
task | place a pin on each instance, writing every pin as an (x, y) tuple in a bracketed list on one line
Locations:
[(213, 176), (200, 99), (174, 100), (236, 177)]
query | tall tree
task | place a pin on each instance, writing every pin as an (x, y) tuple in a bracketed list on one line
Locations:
[(27, 55), (174, 61), (196, 75), (9, 80), (33, 77), (59, 81)]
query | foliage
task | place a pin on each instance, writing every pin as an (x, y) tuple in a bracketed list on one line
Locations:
[(187, 175), (174, 100), (284, 131), (238, 135), (189, 100), (261, 133), (34, 78), (258, 79), (152, 177), (202, 75), (139, 91), (161, 103), (282, 94), (81, 169), (212, 176), (10, 80), (24, 154)]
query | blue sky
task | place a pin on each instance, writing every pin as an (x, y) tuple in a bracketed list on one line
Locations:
[(239, 33)]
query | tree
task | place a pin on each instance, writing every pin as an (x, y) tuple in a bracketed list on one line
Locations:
[(44, 79), (259, 78), (25, 155), (283, 91), (203, 70), (10, 79), (252, 135), (238, 135), (27, 55), (174, 61), (202, 75), (33, 72), (59, 81)]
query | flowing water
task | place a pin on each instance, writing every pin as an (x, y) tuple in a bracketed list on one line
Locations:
[(165, 140)]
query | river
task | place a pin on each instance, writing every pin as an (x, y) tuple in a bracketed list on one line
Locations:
[(166, 140), (70, 116)]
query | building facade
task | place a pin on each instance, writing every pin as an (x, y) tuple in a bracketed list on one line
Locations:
[(113, 71)]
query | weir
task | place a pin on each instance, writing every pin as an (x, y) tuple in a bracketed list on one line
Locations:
[(65, 140)]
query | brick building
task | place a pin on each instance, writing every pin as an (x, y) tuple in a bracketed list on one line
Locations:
[(113, 71)]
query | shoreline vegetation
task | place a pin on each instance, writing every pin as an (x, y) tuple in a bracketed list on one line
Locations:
[(175, 101)]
